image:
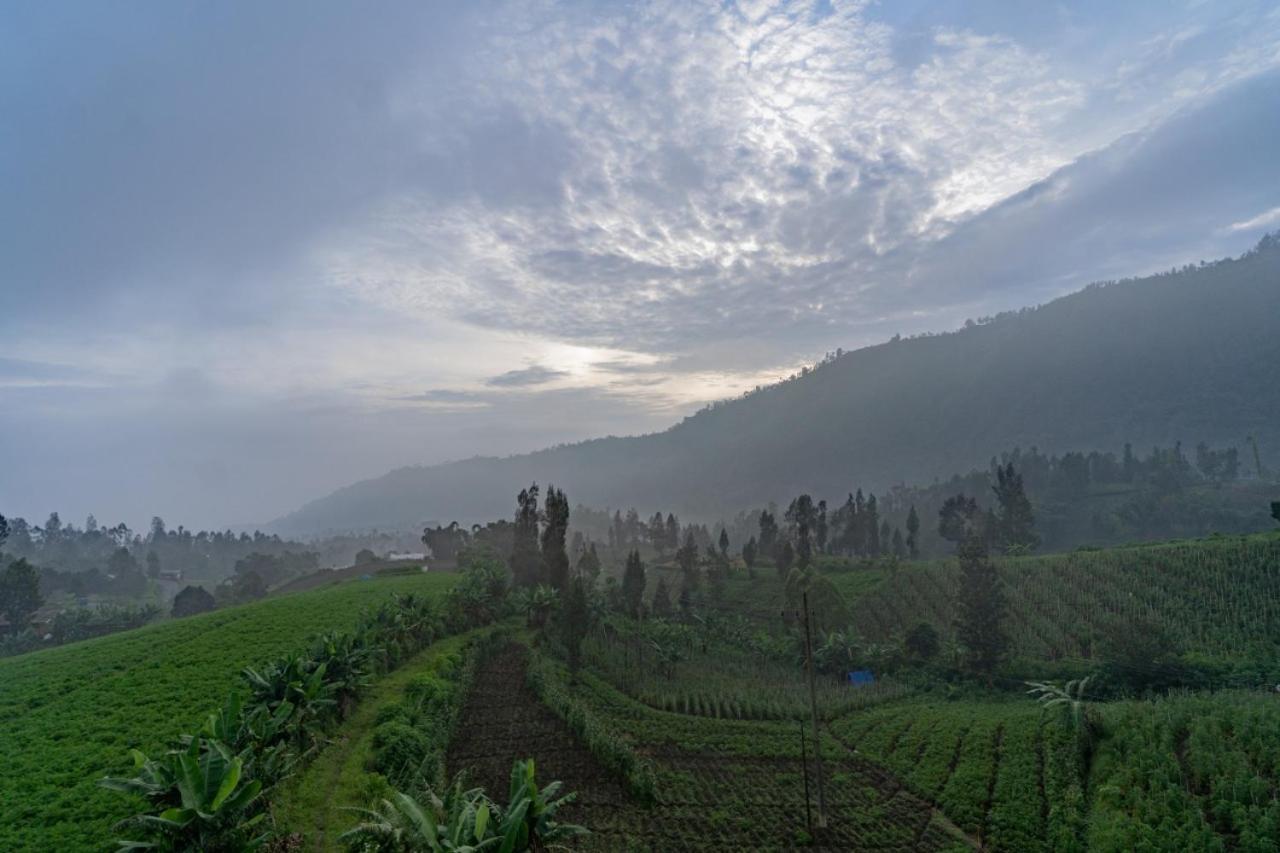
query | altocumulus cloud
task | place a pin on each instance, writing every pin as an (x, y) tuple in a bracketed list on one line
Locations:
[(262, 262)]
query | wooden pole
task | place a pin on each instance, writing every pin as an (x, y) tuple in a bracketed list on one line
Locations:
[(804, 763), (813, 710)]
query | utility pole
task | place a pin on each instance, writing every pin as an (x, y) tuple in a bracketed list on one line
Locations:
[(813, 711), (804, 762)]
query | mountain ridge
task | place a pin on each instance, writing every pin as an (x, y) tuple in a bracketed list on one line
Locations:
[(1187, 355)]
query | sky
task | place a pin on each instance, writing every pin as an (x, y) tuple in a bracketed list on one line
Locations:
[(252, 252)]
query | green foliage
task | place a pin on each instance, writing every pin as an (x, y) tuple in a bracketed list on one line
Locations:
[(633, 583), (399, 751), (200, 800), (467, 820), (68, 714), (19, 592)]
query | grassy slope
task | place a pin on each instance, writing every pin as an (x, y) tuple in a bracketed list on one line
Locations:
[(315, 803), (68, 715)]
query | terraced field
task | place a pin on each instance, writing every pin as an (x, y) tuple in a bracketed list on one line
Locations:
[(1219, 598), (69, 715)]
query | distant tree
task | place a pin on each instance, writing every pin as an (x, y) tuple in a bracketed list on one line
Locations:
[(872, 522), (922, 641), (913, 533), (19, 593), (192, 600), (662, 599), (786, 556), (555, 558), (687, 559), (248, 586), (724, 543), (886, 538), (658, 534), (673, 532), (589, 564), (749, 553), (445, 543), (981, 609), (958, 519), (858, 532), (575, 622), (365, 556), (1015, 525), (153, 565), (802, 516), (4, 530), (1275, 510), (158, 531), (633, 582), (899, 545), (820, 529), (768, 533), (635, 529), (526, 560)]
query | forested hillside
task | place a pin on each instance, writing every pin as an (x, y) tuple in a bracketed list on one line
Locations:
[(1190, 355)]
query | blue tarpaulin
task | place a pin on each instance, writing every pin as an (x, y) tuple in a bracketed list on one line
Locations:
[(860, 677)]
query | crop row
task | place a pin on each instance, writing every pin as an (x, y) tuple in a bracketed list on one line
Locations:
[(1213, 597), (69, 715)]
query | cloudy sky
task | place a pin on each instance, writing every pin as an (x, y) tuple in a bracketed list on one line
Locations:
[(251, 252)]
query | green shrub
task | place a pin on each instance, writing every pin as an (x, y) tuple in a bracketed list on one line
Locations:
[(399, 750), (394, 712)]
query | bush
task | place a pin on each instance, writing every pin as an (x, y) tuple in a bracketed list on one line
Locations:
[(399, 750), (394, 712)]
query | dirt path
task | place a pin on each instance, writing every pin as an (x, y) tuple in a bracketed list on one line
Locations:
[(504, 721)]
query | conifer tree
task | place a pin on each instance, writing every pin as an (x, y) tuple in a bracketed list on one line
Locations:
[(555, 559), (662, 600), (633, 582), (1015, 523), (913, 533), (526, 559), (724, 543), (981, 609)]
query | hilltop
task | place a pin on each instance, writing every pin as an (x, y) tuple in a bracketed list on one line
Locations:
[(1187, 355)]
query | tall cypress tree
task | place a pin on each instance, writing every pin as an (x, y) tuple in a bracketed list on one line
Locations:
[(526, 560), (982, 607), (913, 533), (873, 527), (1015, 523), (633, 581), (555, 559)]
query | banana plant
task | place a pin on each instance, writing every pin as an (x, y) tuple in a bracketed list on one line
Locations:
[(461, 822), (201, 800), (528, 822)]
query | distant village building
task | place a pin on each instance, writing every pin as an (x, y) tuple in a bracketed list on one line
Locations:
[(170, 574), (406, 555)]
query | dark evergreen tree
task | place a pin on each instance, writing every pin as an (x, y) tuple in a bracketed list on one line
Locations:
[(673, 532), (1015, 523), (979, 625), (786, 556), (859, 543), (768, 533), (899, 544), (658, 534), (820, 532), (661, 600), (575, 622), (913, 533), (19, 593), (922, 641), (687, 559), (526, 559), (153, 565), (192, 600), (886, 538), (555, 558), (958, 519), (724, 543), (872, 517), (589, 564), (802, 517), (749, 553), (633, 583)]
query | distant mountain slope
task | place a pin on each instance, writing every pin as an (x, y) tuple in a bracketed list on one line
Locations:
[(1188, 355)]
